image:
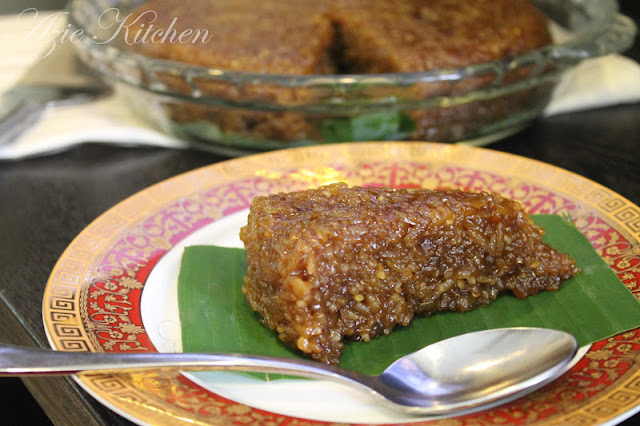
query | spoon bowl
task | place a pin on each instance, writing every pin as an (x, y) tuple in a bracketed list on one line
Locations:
[(463, 373), (478, 368)]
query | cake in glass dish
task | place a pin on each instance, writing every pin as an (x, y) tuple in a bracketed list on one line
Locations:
[(342, 37)]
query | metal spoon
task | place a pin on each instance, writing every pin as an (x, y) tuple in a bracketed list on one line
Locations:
[(460, 373)]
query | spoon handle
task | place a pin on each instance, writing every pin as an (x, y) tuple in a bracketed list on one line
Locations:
[(22, 361)]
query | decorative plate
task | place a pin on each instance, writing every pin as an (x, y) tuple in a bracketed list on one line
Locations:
[(106, 292)]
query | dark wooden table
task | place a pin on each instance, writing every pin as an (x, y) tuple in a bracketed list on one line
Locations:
[(46, 202)]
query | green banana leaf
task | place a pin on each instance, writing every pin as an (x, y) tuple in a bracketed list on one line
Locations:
[(592, 306)]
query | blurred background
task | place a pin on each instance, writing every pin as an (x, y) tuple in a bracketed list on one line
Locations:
[(17, 6), (17, 403)]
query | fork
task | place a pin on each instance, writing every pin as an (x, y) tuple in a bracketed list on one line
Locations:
[(58, 79)]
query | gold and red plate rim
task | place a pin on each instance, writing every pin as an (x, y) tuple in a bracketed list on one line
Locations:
[(91, 301)]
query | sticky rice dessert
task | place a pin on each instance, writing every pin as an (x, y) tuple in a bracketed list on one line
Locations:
[(349, 262)]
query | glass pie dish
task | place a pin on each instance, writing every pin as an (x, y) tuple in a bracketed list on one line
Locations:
[(228, 109)]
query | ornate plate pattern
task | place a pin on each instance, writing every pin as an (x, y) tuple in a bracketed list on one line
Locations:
[(92, 298)]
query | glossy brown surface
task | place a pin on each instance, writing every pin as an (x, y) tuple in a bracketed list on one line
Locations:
[(350, 262), (245, 35), (419, 35), (352, 36)]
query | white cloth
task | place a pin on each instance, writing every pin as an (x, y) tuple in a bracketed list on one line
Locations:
[(24, 39), (595, 83), (598, 82)]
